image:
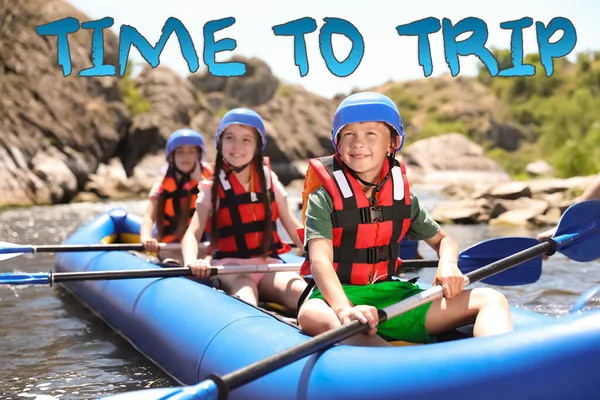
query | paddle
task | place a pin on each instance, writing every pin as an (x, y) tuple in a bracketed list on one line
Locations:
[(473, 257), (11, 250), (408, 248), (45, 278), (579, 225)]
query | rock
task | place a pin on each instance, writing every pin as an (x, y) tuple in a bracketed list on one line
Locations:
[(509, 191), (172, 98), (12, 192), (173, 101), (109, 181), (50, 167), (553, 185), (453, 158), (53, 129), (551, 217), (147, 172), (257, 86), (214, 101), (85, 197), (539, 168), (504, 135), (552, 198), (531, 203), (520, 212), (539, 207), (464, 190), (207, 83), (461, 212), (141, 139), (519, 217), (61, 135)]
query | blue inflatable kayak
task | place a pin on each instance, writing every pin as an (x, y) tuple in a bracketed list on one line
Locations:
[(191, 330)]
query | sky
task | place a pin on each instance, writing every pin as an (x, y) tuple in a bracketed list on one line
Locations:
[(387, 56)]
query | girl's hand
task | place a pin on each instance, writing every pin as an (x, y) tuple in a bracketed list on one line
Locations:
[(197, 172), (200, 268), (150, 244), (449, 276), (364, 314)]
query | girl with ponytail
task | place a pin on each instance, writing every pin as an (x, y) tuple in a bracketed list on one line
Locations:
[(242, 204), (173, 199)]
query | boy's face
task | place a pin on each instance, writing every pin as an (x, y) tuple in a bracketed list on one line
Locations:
[(363, 146)]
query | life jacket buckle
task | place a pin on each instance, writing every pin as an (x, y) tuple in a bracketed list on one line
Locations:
[(376, 214), (378, 254)]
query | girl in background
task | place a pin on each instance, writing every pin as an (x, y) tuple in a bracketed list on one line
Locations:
[(173, 200)]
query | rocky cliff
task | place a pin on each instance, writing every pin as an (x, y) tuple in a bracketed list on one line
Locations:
[(73, 138)]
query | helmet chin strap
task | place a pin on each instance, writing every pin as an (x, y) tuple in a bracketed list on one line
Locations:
[(237, 170), (376, 186)]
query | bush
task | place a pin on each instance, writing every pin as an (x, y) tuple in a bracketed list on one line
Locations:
[(514, 163), (579, 157), (131, 96), (559, 114), (433, 127)]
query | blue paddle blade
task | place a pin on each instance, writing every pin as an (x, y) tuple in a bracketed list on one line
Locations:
[(205, 390), (21, 278), (409, 249), (11, 250), (578, 232), (489, 251)]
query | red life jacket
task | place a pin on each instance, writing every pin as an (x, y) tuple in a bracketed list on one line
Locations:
[(175, 194), (241, 218), (366, 237)]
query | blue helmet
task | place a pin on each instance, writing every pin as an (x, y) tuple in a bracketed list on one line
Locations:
[(367, 107), (242, 116), (182, 137)]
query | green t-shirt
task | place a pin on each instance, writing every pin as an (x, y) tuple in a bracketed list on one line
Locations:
[(320, 207)]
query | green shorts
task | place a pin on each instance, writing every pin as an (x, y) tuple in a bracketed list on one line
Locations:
[(409, 326)]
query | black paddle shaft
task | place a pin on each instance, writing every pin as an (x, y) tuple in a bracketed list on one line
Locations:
[(481, 273), (169, 271), (254, 371), (409, 265), (322, 341), (121, 274), (87, 247)]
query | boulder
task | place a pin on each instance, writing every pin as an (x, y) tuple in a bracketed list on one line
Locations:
[(539, 168), (452, 158)]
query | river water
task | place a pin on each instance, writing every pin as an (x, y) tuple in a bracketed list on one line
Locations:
[(53, 347)]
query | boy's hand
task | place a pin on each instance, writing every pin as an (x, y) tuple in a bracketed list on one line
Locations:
[(449, 276), (150, 244), (364, 314), (200, 268)]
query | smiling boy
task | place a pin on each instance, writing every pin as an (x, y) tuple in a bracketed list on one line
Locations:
[(357, 207)]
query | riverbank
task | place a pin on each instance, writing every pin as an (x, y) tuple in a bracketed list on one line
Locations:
[(461, 197), (533, 203)]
